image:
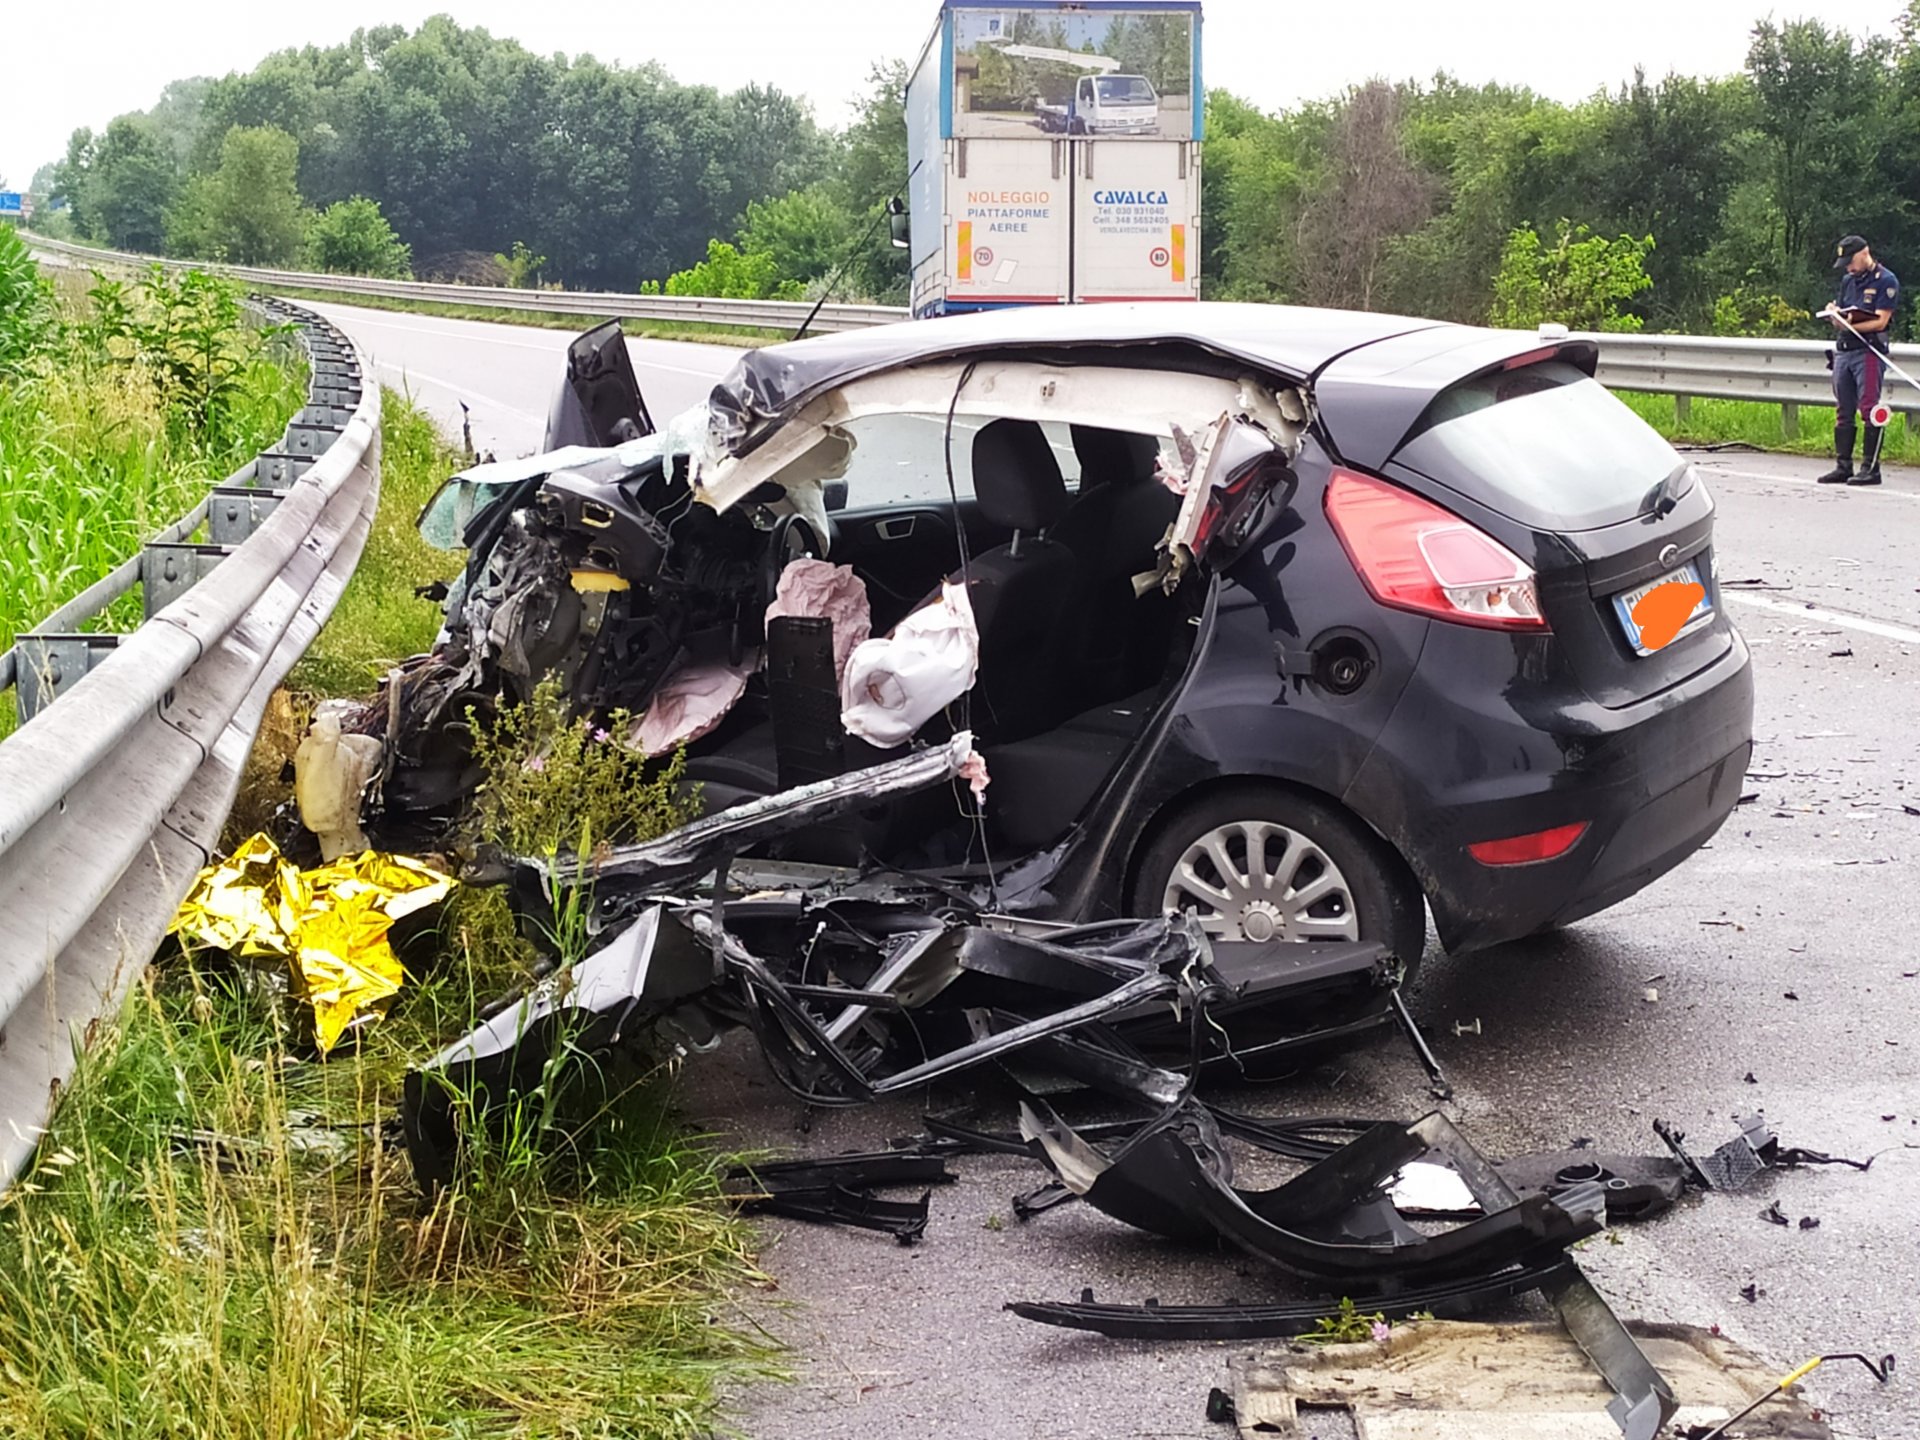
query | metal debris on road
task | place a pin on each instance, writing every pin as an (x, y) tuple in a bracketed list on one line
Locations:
[(1881, 1370)]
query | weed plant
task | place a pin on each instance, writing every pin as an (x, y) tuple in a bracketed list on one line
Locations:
[(218, 1240), (381, 620), (220, 1237), (118, 408)]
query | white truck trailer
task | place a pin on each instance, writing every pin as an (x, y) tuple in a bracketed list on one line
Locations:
[(1054, 153)]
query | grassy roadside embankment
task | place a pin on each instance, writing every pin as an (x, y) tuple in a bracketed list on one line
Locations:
[(1758, 424), (119, 406), (222, 1238)]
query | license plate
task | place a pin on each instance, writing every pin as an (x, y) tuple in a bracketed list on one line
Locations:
[(1624, 604)]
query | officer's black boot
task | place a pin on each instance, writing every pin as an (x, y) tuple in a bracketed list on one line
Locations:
[(1870, 466), (1843, 455)]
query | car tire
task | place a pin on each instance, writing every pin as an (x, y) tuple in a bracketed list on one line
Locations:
[(1305, 845)]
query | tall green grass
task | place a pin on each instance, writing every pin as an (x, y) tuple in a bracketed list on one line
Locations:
[(221, 1238), (219, 1241), (99, 451), (1759, 424), (380, 620)]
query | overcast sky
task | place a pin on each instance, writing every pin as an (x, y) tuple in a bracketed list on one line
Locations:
[(66, 68)]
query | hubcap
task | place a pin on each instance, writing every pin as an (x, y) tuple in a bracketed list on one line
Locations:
[(1255, 880)]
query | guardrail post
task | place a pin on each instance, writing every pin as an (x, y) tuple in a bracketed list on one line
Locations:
[(235, 511), (51, 665), (1682, 409), (1789, 420), (168, 571)]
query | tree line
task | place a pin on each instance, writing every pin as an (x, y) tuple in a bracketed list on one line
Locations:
[(1678, 204), (1683, 204), (435, 151)]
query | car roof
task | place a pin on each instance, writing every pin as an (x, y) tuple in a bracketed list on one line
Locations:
[(1295, 344)]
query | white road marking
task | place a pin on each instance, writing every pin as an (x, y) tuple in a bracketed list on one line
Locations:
[(1827, 617), (1799, 480), (404, 373)]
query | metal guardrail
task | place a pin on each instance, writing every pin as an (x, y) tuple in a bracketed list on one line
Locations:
[(113, 796), (599, 304), (1790, 373)]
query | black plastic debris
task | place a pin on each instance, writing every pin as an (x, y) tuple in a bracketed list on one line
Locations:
[(905, 1220), (1277, 1322), (1755, 1149), (1220, 1408), (857, 985), (1809, 1222), (1638, 1187), (1751, 1293), (1333, 1224), (1328, 1222), (1773, 1215)]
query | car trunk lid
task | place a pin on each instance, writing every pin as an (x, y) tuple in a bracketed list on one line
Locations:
[(1545, 460)]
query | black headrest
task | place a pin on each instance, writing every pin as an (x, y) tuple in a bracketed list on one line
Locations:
[(1113, 457), (1015, 477)]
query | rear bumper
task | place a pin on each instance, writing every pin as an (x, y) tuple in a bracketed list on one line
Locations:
[(1652, 782)]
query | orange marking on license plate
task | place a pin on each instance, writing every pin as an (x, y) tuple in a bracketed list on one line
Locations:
[(1663, 611)]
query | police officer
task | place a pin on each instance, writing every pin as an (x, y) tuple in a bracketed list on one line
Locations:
[(1868, 294)]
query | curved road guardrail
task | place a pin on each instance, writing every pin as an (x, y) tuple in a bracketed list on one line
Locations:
[(1790, 373), (596, 304), (114, 792)]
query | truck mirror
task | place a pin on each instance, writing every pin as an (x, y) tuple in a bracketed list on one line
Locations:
[(898, 225)]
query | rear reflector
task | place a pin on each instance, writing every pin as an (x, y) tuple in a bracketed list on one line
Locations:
[(1529, 849), (1415, 556)]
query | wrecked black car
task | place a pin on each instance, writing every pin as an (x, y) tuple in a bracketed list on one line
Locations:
[(1298, 622)]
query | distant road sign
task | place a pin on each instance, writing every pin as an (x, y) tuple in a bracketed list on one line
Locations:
[(12, 203)]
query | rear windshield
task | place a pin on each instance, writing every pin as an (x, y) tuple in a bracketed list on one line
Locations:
[(1545, 445)]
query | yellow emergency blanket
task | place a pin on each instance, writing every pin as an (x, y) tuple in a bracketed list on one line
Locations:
[(330, 923)]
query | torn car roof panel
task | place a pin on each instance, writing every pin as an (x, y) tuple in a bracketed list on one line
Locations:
[(1145, 401)]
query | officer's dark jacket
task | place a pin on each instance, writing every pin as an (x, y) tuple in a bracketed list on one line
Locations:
[(1875, 289)]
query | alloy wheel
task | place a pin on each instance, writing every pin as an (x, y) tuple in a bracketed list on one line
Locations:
[(1257, 880)]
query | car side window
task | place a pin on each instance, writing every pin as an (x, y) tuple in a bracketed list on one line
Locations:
[(901, 459)]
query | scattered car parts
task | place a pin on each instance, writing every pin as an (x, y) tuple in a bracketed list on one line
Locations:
[(1434, 1378)]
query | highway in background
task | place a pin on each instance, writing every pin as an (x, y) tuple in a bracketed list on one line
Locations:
[(506, 374), (1777, 970)]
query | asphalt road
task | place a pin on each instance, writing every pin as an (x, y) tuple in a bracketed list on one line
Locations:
[(1785, 958)]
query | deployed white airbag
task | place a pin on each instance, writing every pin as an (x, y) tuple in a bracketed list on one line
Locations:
[(895, 685)]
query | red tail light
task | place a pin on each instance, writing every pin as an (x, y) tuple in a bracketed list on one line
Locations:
[(1527, 849), (1415, 556)]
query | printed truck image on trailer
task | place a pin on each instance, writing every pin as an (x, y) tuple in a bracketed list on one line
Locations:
[(1054, 155)]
